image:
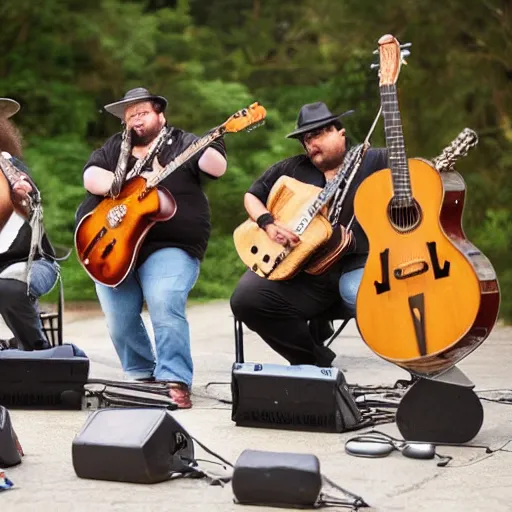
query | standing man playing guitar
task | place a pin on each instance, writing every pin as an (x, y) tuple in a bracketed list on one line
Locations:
[(279, 311), (168, 260)]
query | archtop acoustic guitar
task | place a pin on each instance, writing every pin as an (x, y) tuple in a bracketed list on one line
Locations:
[(428, 296)]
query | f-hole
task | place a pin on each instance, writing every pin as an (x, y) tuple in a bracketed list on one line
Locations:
[(438, 271)]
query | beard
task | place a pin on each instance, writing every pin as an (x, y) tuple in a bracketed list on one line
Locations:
[(148, 136)]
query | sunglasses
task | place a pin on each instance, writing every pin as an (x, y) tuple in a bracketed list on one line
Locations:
[(379, 444)]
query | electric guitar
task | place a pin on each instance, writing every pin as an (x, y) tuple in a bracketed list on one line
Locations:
[(428, 296), (108, 239)]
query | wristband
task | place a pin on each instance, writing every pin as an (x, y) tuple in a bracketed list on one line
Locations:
[(264, 220)]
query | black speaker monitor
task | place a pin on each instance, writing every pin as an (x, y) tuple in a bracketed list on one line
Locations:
[(300, 397), (140, 445)]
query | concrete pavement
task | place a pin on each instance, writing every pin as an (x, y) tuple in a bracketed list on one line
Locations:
[(473, 481)]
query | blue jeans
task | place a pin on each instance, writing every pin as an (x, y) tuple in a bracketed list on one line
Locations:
[(349, 285), (43, 277), (164, 281)]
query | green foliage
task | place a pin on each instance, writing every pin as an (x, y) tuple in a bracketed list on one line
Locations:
[(65, 59)]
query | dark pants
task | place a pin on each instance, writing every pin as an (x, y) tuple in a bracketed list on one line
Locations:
[(20, 314), (279, 312)]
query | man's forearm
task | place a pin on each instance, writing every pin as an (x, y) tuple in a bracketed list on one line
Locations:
[(254, 206), (97, 180)]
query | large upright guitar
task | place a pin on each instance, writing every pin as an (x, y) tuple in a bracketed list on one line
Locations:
[(108, 239), (428, 296)]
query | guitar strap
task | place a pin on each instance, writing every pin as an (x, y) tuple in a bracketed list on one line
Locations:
[(120, 174), (341, 193)]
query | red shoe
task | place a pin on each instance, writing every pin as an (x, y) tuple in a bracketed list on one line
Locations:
[(180, 394)]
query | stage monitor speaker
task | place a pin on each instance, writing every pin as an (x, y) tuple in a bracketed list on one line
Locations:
[(43, 379), (277, 479), (300, 397), (10, 449), (139, 445)]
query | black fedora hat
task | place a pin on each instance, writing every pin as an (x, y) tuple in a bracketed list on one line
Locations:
[(8, 107), (313, 116), (130, 98)]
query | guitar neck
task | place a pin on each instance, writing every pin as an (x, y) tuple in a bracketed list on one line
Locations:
[(186, 155), (395, 142), (353, 156)]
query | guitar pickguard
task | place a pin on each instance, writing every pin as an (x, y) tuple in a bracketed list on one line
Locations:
[(417, 308)]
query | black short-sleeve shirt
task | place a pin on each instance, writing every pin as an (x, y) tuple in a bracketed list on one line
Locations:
[(190, 227), (302, 169)]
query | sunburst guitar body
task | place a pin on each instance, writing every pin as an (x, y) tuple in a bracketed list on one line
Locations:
[(108, 239), (428, 297), (269, 259)]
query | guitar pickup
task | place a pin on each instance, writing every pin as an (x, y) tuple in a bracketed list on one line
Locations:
[(108, 249), (414, 268)]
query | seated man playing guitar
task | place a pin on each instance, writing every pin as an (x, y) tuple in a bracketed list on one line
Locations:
[(279, 310), (167, 264), (23, 279)]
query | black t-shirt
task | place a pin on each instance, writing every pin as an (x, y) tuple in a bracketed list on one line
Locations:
[(302, 169), (190, 227)]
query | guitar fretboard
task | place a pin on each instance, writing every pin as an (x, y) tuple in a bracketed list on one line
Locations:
[(191, 150), (395, 142)]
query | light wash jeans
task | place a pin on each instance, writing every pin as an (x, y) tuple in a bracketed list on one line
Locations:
[(164, 281), (349, 285), (43, 277)]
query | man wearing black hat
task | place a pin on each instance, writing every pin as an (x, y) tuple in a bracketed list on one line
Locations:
[(168, 261), (21, 282), (279, 311)]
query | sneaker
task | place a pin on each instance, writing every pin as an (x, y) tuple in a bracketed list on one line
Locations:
[(180, 394)]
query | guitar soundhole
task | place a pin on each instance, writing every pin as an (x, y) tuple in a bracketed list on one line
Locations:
[(404, 214), (254, 249)]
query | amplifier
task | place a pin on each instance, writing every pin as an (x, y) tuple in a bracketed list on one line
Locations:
[(302, 397), (43, 379)]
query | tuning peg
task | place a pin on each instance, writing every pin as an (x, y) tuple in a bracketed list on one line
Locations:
[(405, 53), (405, 45), (375, 52), (374, 66)]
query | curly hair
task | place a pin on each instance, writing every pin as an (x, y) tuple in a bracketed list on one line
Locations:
[(10, 138)]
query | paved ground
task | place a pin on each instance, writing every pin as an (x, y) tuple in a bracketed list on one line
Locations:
[(473, 481)]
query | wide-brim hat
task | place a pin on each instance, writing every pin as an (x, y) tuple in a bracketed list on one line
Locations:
[(130, 98), (313, 116), (8, 107)]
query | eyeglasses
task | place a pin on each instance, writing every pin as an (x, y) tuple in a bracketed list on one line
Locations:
[(378, 444), (309, 136), (138, 114)]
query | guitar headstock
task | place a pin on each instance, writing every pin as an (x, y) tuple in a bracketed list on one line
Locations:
[(391, 57), (246, 119)]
